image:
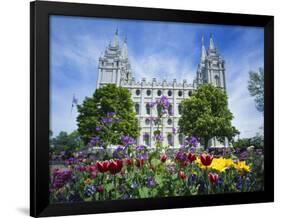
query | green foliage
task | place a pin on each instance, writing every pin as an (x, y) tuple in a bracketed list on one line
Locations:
[(66, 142), (256, 141), (256, 88), (109, 98), (205, 115)]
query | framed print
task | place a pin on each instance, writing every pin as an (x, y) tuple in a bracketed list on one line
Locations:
[(142, 109)]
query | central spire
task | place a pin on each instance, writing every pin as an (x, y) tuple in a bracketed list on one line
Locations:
[(115, 42), (212, 44), (125, 49), (203, 50)]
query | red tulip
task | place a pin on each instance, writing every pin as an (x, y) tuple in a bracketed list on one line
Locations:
[(102, 166), (163, 158), (182, 175), (92, 168), (115, 166), (206, 159), (191, 157), (213, 178), (100, 188), (139, 162), (129, 162)]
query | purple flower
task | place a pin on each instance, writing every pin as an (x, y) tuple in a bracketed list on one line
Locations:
[(98, 128), (141, 152), (191, 141), (150, 182), (110, 114), (174, 130), (60, 178), (120, 152), (95, 140), (127, 140), (158, 137), (106, 120), (181, 156)]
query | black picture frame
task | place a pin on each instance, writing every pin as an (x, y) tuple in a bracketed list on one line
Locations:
[(39, 107)]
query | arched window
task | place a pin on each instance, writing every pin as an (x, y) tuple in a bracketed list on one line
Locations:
[(137, 108), (180, 93), (148, 92), (159, 109), (147, 121), (217, 80), (169, 121), (146, 138), (170, 93), (170, 138), (159, 93), (180, 109), (137, 92), (170, 110), (147, 106), (189, 93), (181, 138)]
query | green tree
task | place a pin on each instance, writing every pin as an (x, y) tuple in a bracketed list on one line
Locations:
[(206, 115), (256, 88), (66, 142), (105, 100)]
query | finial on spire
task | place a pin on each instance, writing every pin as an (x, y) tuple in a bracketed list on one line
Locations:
[(212, 44), (116, 32)]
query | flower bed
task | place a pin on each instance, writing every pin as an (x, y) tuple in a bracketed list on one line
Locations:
[(149, 175)]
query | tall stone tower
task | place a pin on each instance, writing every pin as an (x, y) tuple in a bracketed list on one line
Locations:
[(211, 70), (114, 65), (211, 67)]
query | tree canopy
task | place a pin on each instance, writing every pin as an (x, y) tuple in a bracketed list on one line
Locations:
[(206, 115), (256, 88), (107, 115)]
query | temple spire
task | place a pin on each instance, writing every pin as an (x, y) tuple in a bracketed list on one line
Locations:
[(115, 42), (212, 44), (203, 50), (125, 49)]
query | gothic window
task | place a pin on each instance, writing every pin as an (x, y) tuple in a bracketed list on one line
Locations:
[(180, 93), (147, 121), (159, 109), (159, 93), (170, 93), (169, 121), (181, 139), (170, 138), (137, 108), (147, 106), (170, 110), (189, 93), (137, 92), (148, 92), (180, 109), (217, 81), (146, 138)]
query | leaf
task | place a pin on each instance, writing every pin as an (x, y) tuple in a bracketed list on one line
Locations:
[(108, 187), (144, 192), (155, 162)]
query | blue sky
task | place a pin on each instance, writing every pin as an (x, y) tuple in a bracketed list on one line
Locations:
[(156, 50)]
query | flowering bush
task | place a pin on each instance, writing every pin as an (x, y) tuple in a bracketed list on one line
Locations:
[(135, 171)]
